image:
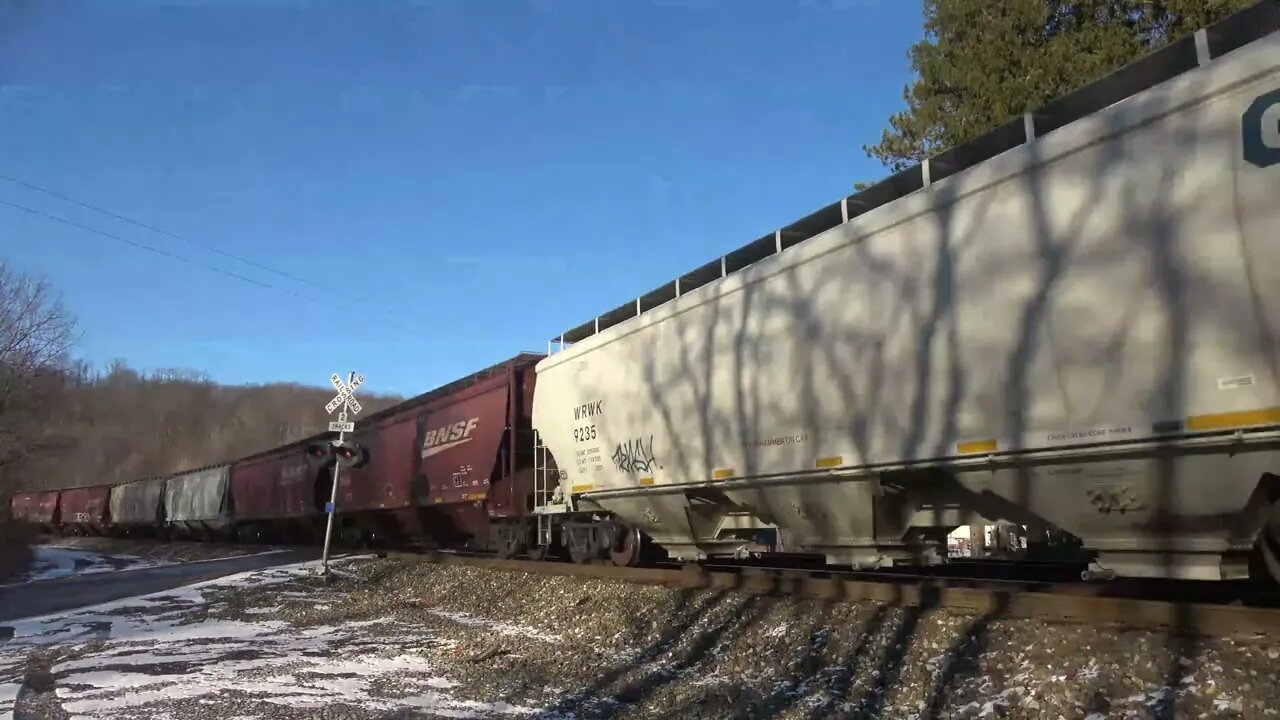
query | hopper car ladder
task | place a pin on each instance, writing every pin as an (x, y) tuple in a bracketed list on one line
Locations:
[(548, 499), (548, 496)]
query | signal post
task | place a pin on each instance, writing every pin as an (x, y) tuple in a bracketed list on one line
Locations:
[(339, 451)]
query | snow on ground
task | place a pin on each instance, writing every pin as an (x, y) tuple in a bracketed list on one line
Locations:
[(401, 638), (49, 562), (120, 659), (8, 695)]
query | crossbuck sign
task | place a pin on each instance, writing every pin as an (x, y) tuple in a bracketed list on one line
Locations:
[(345, 399)]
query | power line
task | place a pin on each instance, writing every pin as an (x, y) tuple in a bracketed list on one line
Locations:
[(399, 319), (143, 246), (160, 231), (175, 256)]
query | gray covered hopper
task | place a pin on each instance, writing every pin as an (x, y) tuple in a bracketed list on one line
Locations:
[(138, 503), (199, 499)]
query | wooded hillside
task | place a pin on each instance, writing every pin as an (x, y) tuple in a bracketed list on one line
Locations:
[(63, 424), (120, 425)]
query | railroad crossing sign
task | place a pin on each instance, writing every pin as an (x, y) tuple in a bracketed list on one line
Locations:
[(346, 399)]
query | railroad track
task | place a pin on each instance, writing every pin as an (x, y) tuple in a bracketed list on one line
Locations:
[(1246, 616), (973, 587)]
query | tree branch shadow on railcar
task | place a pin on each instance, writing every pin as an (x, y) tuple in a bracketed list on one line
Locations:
[(844, 357), (1171, 287), (748, 416), (1267, 333), (1059, 246), (848, 353), (1055, 257), (944, 199), (1147, 211), (659, 381)]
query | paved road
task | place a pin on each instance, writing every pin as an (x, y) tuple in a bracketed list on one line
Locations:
[(51, 596)]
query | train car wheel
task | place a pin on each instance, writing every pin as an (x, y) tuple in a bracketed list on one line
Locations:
[(626, 551), (507, 540), (583, 542)]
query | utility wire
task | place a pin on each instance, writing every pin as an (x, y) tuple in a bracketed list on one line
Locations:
[(143, 246), (154, 229), (413, 330)]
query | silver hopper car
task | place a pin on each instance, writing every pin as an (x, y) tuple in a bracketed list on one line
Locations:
[(1067, 324)]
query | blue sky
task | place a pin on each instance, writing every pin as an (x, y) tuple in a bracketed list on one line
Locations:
[(459, 180)]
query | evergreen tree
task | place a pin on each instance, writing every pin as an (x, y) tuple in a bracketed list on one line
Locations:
[(984, 62)]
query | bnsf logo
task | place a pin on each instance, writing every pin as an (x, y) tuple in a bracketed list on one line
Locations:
[(449, 436)]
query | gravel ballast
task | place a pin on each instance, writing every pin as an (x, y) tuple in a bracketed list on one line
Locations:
[(647, 651), (456, 641)]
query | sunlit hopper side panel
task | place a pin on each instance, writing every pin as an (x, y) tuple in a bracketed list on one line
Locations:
[(1109, 283), (199, 502), (138, 506)]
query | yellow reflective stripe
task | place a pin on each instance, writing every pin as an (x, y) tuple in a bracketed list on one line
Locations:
[(646, 481), (830, 462), (722, 473), (1221, 421), (582, 488), (977, 446)]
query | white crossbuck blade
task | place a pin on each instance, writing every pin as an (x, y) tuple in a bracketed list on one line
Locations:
[(346, 395), (342, 387)]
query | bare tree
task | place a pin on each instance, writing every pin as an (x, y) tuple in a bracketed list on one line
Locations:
[(65, 424), (35, 336)]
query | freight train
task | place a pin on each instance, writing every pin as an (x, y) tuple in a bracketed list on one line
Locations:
[(1071, 323)]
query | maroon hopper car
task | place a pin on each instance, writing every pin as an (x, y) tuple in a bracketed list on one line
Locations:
[(375, 501), (86, 511), (279, 495), (451, 467), (38, 508)]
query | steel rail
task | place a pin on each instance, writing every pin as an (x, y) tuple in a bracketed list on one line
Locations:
[(1078, 603)]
